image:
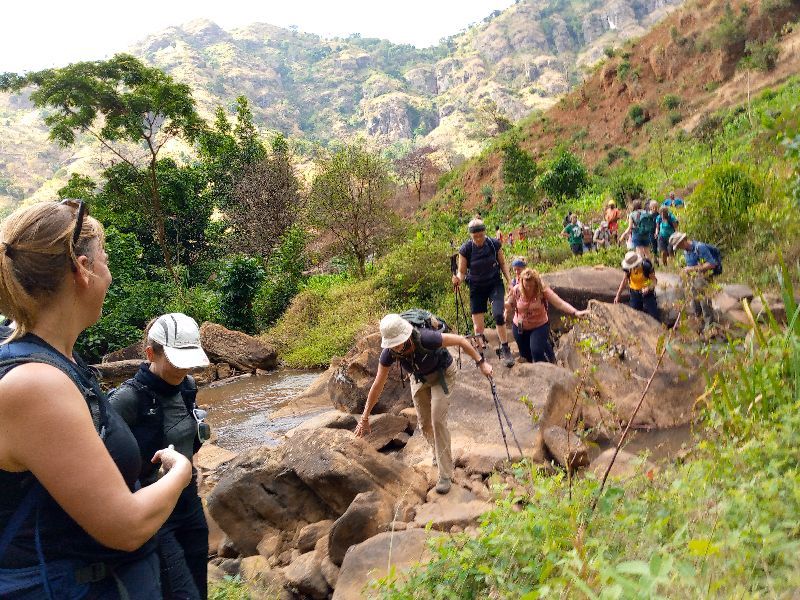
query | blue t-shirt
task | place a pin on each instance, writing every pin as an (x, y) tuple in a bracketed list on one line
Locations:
[(666, 227), (698, 254), (670, 202)]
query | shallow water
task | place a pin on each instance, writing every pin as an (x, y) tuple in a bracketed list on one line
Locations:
[(661, 444), (239, 411)]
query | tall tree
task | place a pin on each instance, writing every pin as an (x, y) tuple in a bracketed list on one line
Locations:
[(519, 173), (413, 168), (348, 200), (565, 177), (127, 107)]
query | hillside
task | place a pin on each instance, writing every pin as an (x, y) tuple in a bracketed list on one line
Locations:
[(319, 90), (685, 68)]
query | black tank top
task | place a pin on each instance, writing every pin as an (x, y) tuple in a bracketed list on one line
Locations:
[(61, 536)]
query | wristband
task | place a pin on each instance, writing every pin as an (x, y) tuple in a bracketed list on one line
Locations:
[(478, 363)]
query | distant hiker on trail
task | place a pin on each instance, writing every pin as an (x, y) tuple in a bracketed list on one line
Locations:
[(703, 263), (529, 300), (482, 265), (422, 352), (653, 208), (522, 233), (498, 233), (74, 522), (672, 201), (159, 405), (641, 228), (587, 238), (518, 263), (602, 236), (666, 224), (567, 219), (510, 237), (574, 235), (640, 277), (612, 218)]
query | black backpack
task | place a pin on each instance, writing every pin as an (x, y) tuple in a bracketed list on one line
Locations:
[(717, 256), (424, 319)]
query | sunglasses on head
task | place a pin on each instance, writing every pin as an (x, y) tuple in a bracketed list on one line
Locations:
[(83, 210), (203, 428)]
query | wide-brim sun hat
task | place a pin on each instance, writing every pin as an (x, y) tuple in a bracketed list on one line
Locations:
[(180, 337), (676, 238), (631, 260), (394, 330), (603, 223)]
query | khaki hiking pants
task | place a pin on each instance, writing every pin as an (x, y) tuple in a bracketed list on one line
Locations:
[(432, 404)]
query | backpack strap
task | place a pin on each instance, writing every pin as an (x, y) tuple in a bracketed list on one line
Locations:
[(96, 408), (29, 502)]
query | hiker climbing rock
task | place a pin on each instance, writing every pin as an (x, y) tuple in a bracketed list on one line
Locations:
[(641, 228), (666, 224), (482, 265), (158, 404), (703, 263), (74, 523), (640, 277), (422, 352), (529, 301)]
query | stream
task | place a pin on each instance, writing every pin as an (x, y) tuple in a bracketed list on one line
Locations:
[(239, 410)]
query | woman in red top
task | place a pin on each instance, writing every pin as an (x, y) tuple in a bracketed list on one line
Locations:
[(529, 300), (612, 217)]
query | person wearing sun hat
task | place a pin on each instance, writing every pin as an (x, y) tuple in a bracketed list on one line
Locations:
[(703, 262), (159, 405), (640, 276), (422, 353)]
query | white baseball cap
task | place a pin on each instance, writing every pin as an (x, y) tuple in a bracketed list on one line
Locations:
[(180, 336)]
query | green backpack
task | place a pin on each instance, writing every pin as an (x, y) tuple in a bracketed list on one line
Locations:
[(645, 223), (423, 319)]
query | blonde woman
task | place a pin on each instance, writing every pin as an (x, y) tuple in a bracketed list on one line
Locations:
[(72, 523), (529, 301)]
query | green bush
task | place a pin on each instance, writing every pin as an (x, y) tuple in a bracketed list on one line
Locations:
[(624, 188), (415, 273), (519, 173), (670, 101), (731, 31), (674, 117), (239, 282), (565, 177), (637, 115), (719, 210), (284, 277), (761, 56)]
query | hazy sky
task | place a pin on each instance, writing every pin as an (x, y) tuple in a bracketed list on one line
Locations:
[(38, 34)]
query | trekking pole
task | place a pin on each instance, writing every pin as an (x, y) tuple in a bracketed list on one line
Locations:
[(499, 419), (505, 415), (453, 270)]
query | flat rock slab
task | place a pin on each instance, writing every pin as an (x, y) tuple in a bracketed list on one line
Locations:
[(460, 507), (625, 466), (370, 560), (330, 419), (210, 457), (384, 428), (738, 291)]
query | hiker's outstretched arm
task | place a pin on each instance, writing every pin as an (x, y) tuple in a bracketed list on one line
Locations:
[(563, 305), (375, 391), (619, 290), (448, 339), (501, 260)]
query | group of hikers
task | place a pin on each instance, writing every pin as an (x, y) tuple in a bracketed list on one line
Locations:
[(99, 497), (649, 228)]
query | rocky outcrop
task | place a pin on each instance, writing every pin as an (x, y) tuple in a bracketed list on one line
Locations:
[(242, 351), (314, 476), (565, 447), (616, 351), (580, 285), (350, 382)]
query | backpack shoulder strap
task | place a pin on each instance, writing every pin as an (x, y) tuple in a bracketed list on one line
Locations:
[(97, 409)]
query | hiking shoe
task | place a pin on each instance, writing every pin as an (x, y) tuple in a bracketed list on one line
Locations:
[(443, 486), (507, 358)]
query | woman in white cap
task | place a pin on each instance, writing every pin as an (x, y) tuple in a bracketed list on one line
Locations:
[(158, 404), (422, 352), (640, 276)]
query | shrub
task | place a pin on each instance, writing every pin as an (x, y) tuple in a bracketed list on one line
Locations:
[(670, 101), (625, 187), (565, 177), (760, 56), (674, 117), (284, 278), (623, 70), (609, 51), (731, 31), (519, 173), (239, 282), (637, 115), (719, 211)]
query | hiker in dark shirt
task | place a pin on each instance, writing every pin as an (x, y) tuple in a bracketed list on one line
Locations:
[(74, 524), (158, 404), (482, 265), (422, 352)]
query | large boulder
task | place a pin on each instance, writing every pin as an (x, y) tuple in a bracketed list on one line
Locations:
[(566, 448), (242, 351), (313, 476), (615, 351), (362, 519), (458, 508), (304, 577), (580, 285), (350, 382), (371, 560)]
